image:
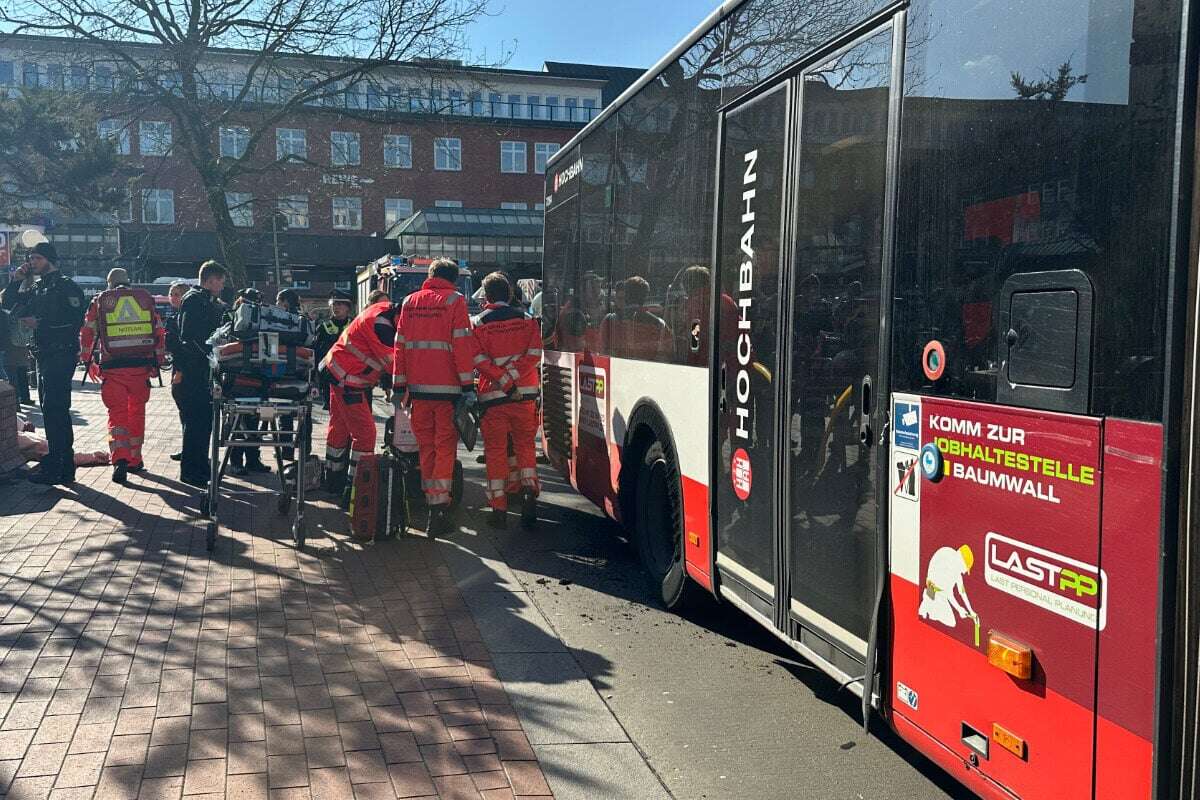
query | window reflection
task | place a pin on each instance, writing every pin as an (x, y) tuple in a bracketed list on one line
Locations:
[(1045, 151)]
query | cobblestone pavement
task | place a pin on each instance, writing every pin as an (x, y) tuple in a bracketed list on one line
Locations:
[(137, 665)]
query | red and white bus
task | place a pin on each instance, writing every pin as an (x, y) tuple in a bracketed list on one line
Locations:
[(877, 320)]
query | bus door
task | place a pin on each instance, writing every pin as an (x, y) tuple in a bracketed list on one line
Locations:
[(801, 262)]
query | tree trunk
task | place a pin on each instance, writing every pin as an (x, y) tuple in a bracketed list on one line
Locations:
[(229, 239)]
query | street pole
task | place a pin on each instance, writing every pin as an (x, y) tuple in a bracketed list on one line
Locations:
[(275, 241)]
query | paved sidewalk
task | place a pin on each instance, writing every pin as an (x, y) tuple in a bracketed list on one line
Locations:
[(136, 665)]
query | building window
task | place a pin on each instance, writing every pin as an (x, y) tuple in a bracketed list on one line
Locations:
[(589, 109), (234, 142), (552, 111), (536, 109), (8, 75), (104, 79), (514, 206), (77, 77), (347, 213), (344, 150), (447, 203), (154, 138), (374, 98), (541, 154), (512, 157), (456, 102), (515, 108), (396, 209), (158, 206), (477, 104), (54, 76), (496, 100), (117, 132), (539, 206), (572, 112), (241, 208), (291, 143), (299, 284), (294, 208), (29, 75), (343, 286), (416, 99), (397, 151), (447, 154)]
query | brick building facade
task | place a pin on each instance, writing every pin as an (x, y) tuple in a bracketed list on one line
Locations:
[(417, 136)]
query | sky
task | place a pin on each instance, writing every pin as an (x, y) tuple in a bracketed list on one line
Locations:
[(627, 33)]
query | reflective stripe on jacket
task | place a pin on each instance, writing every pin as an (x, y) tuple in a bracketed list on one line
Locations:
[(363, 353), (435, 350), (512, 341), (149, 335)]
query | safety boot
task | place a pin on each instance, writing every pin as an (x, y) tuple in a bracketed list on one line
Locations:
[(528, 509), (439, 521), (498, 519), (120, 471), (333, 481)]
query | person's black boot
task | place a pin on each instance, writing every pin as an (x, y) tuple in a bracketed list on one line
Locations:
[(46, 474), (498, 519), (334, 481), (528, 509), (120, 472), (439, 522), (344, 500), (177, 456)]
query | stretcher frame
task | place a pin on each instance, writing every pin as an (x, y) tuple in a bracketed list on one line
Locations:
[(229, 431)]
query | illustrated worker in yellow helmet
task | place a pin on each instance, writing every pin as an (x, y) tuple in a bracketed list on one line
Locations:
[(944, 577)]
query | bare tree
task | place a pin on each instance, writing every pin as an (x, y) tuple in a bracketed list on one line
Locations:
[(286, 54)]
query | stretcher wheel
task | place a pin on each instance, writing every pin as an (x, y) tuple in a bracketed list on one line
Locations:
[(210, 535), (456, 486), (283, 502)]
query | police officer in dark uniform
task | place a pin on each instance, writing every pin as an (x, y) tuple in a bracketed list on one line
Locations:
[(199, 315), (56, 305), (340, 307)]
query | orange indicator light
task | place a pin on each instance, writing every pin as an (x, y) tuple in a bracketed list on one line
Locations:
[(693, 539), (1008, 740), (1009, 655)]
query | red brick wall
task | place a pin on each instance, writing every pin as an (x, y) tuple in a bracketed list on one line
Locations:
[(480, 183)]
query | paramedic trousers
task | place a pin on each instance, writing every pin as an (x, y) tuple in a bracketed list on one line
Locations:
[(351, 426), (125, 392), (509, 474), (437, 443)]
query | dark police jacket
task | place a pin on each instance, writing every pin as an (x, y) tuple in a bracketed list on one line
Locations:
[(328, 332), (57, 303), (199, 315)]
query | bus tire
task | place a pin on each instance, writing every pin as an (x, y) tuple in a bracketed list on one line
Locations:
[(658, 525)]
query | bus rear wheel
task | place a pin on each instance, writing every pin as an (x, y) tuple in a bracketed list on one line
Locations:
[(659, 528)]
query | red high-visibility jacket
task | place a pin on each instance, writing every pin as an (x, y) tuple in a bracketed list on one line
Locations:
[(94, 350), (363, 353), (435, 350), (512, 341)]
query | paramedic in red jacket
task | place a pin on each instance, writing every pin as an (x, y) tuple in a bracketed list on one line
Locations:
[(435, 358), (123, 342), (360, 359), (511, 340)]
